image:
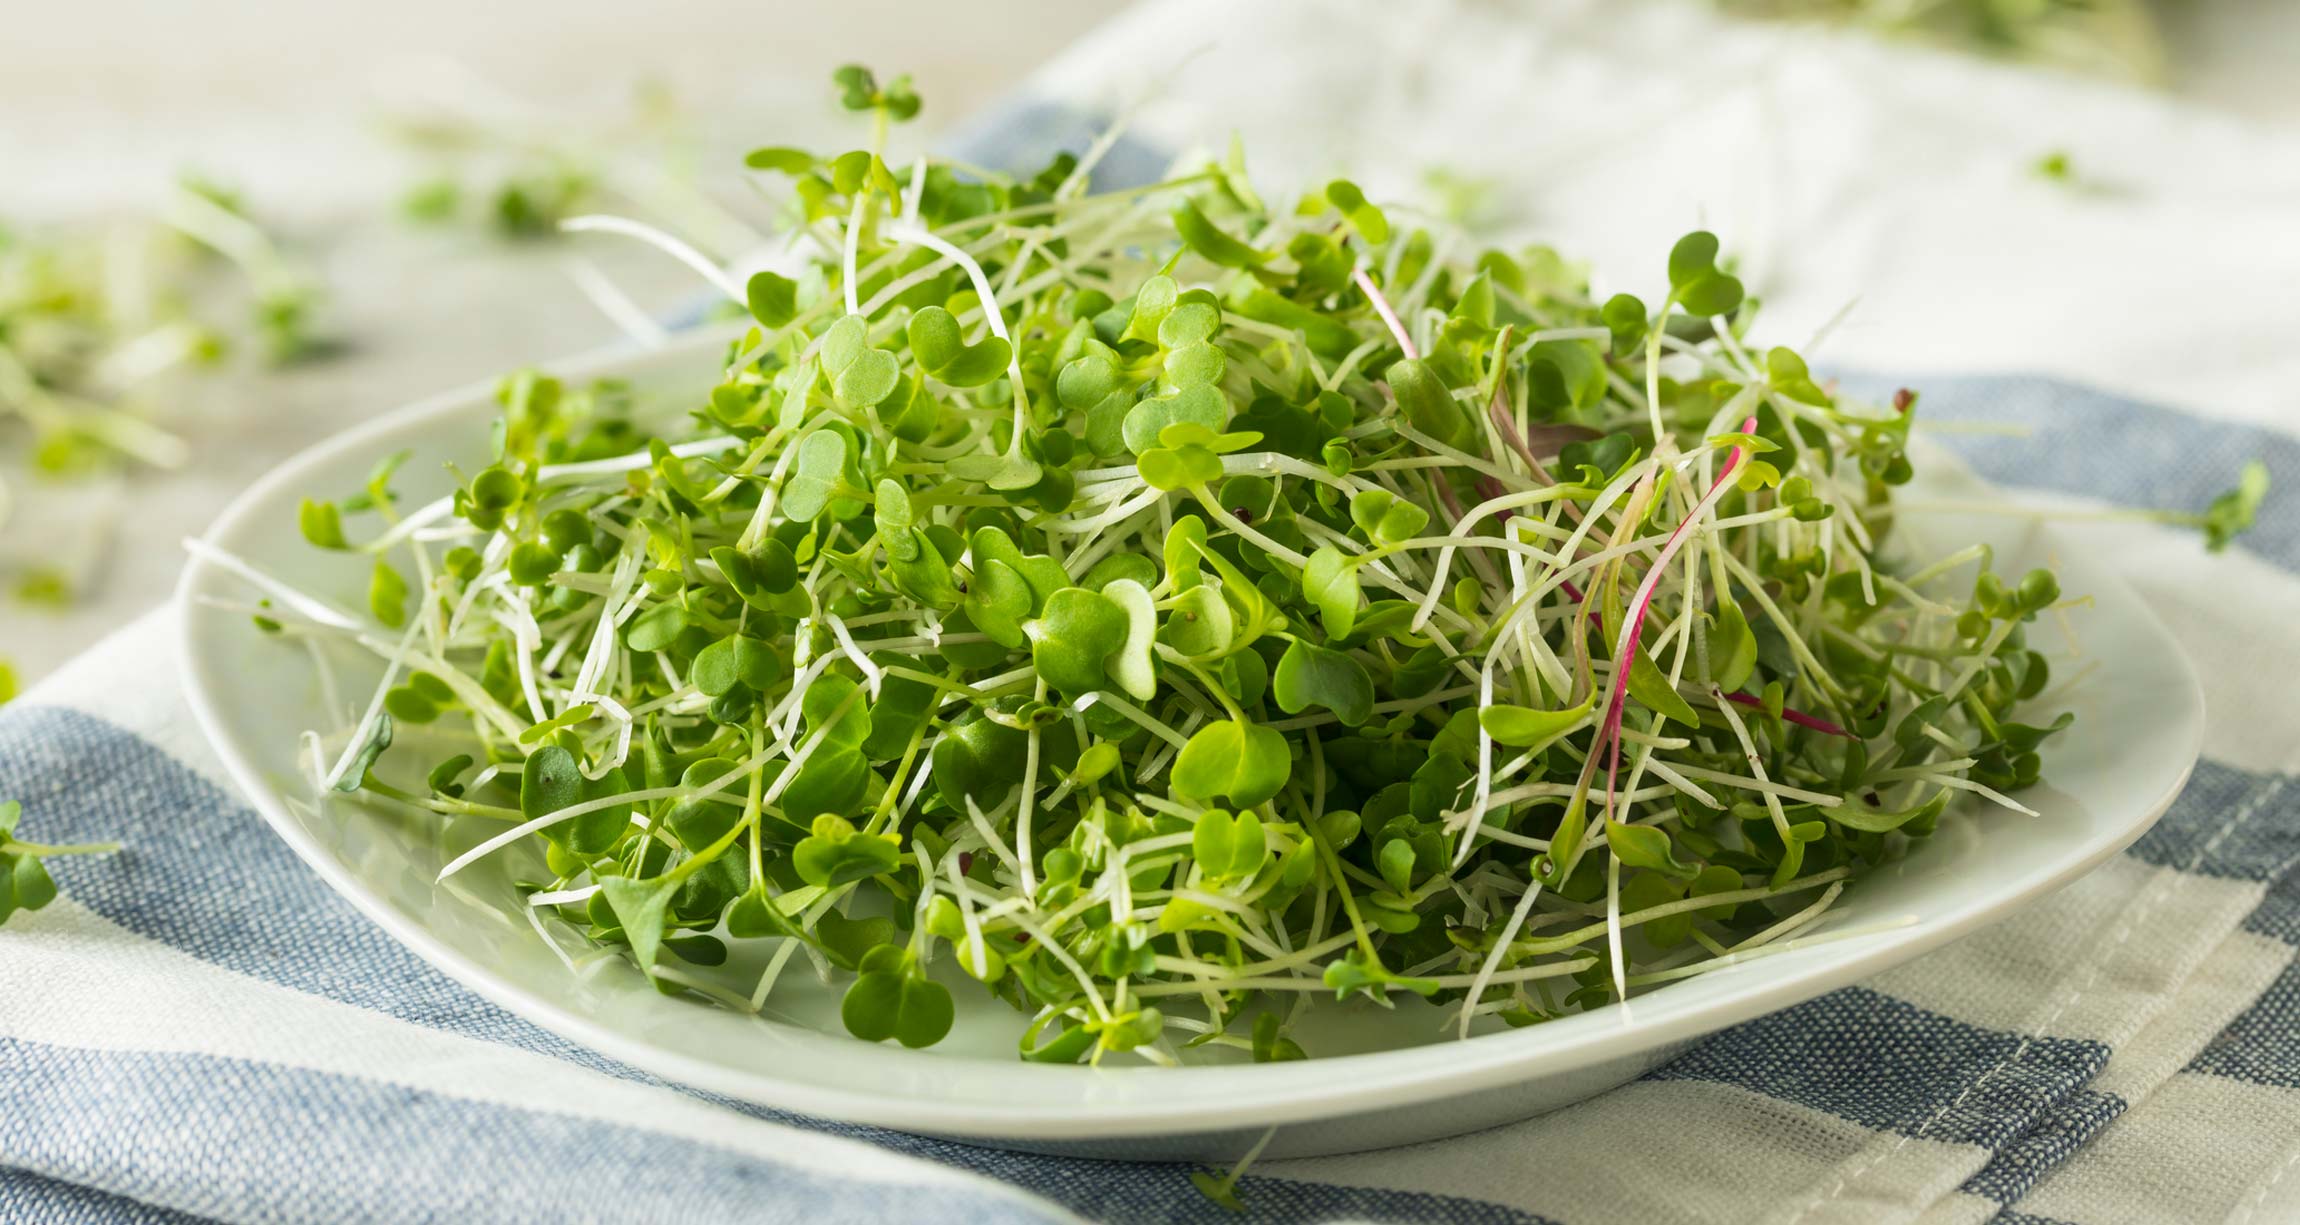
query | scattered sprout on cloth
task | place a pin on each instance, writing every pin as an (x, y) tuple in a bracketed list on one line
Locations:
[(24, 880), (1174, 607), (98, 320), (516, 170), (94, 317)]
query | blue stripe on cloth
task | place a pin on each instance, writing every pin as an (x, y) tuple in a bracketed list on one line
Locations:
[(2278, 914), (25, 1196), (1887, 1064), (269, 1141), (2230, 823), (2010, 1217), (2070, 1125), (2093, 443), (2262, 1045), (2264, 1042), (204, 875), (1022, 135)]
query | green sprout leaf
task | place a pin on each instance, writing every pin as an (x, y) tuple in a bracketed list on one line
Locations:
[(2231, 513), (1524, 727), (939, 346), (1228, 847), (1695, 280), (833, 854), (1208, 240), (773, 299), (1330, 582), (1245, 762), (1076, 635), (1309, 676)]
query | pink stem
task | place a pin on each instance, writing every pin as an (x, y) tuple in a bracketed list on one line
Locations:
[(1793, 715), (1624, 655), (1508, 427), (1382, 308), (1516, 441)]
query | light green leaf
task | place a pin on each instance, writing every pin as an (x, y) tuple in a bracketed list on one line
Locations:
[(1330, 581), (1310, 675), (1132, 665), (1523, 727), (1246, 762)]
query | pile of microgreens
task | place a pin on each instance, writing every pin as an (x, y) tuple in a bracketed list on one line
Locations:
[(1170, 607)]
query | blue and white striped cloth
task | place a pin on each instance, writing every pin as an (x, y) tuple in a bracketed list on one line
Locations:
[(199, 1029)]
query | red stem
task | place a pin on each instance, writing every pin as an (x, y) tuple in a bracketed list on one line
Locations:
[(1793, 715), (1382, 308), (1610, 732)]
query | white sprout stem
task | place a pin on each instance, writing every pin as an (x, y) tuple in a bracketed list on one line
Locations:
[(310, 607), (616, 305), (991, 314), (674, 247), (1494, 955), (367, 720), (847, 257)]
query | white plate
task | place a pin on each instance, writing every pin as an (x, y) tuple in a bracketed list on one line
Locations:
[(2136, 736)]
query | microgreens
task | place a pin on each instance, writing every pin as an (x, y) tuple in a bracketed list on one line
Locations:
[(517, 174), (96, 320), (1171, 607), (24, 880)]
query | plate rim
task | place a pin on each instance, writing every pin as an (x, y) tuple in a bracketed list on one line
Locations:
[(1345, 1084)]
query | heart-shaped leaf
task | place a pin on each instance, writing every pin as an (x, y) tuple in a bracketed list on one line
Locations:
[(1646, 846), (1228, 847), (1202, 405), (1310, 675), (1200, 624), (940, 346), (773, 299), (1246, 762), (834, 854), (1210, 242), (1072, 639), (1732, 648), (640, 907), (892, 1000), (1162, 468), (1151, 303), (979, 759), (817, 473), (1427, 403)]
